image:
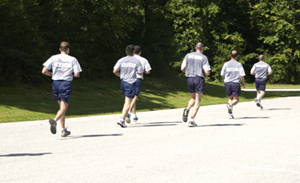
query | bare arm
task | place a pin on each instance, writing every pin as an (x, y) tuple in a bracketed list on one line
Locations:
[(269, 73), (207, 73), (76, 75), (46, 72), (147, 72), (183, 69), (116, 72), (243, 81)]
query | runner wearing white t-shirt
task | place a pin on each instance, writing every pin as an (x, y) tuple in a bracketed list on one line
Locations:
[(261, 70), (196, 67), (138, 85), (62, 68), (127, 69), (233, 73)]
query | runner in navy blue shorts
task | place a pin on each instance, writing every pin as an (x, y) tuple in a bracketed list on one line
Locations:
[(193, 65), (233, 73), (261, 70), (127, 68), (64, 67)]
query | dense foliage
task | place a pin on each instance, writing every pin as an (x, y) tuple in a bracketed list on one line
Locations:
[(99, 30)]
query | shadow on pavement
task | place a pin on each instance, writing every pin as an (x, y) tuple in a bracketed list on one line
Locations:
[(93, 135), (274, 109), (253, 117), (154, 124), (238, 124), (24, 154)]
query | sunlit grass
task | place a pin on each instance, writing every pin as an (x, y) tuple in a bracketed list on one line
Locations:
[(27, 103)]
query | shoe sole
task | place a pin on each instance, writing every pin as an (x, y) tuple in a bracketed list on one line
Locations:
[(122, 125), (64, 135), (185, 115), (229, 110), (192, 124), (53, 126), (127, 119), (258, 104)]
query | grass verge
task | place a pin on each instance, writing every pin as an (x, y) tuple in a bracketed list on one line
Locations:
[(27, 103)]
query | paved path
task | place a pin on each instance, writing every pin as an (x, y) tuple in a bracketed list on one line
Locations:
[(258, 146)]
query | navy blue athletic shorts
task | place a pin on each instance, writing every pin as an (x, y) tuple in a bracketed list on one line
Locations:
[(62, 90), (260, 84), (233, 89), (128, 89), (138, 86), (196, 84)]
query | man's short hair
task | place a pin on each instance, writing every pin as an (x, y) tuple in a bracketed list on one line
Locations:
[(129, 49), (261, 57), (234, 54), (199, 46), (64, 46), (137, 49)]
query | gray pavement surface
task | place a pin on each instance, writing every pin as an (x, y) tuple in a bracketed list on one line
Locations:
[(258, 146)]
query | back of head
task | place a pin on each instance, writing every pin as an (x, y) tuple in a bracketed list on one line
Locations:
[(234, 54), (261, 58), (64, 46), (137, 49), (199, 46), (130, 50)]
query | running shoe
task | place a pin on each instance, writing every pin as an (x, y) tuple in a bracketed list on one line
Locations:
[(231, 116), (192, 124), (229, 107), (122, 123), (185, 114), (53, 125), (261, 107), (127, 118), (257, 102), (65, 132), (135, 119)]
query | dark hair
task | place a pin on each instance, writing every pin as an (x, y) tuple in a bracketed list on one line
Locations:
[(129, 49), (261, 57), (137, 49), (64, 46), (199, 46), (234, 54)]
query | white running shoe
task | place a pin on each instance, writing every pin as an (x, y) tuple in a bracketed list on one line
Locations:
[(231, 116), (192, 124), (122, 123), (257, 102), (229, 107)]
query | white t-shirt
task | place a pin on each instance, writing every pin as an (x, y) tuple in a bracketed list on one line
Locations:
[(194, 64), (261, 69), (63, 66), (128, 67), (145, 64), (232, 71)]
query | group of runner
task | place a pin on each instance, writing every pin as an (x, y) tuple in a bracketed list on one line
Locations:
[(233, 74), (130, 68)]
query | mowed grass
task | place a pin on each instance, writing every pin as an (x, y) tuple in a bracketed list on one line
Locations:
[(27, 103)]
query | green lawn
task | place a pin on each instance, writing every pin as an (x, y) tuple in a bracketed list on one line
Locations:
[(26, 103)]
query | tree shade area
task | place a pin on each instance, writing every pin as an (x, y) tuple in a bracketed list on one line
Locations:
[(99, 31)]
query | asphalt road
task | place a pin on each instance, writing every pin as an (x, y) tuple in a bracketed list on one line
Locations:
[(258, 146)]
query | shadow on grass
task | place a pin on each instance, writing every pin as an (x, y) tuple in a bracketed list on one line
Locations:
[(24, 154), (104, 96)]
